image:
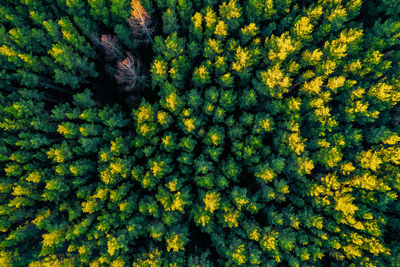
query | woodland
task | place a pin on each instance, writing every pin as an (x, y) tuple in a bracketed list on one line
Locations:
[(170, 133)]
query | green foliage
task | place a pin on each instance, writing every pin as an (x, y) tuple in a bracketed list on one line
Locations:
[(269, 138)]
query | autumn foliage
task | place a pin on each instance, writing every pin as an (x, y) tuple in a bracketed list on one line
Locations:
[(266, 133)]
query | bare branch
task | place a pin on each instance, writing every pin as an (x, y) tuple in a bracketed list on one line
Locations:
[(396, 118), (128, 73), (110, 45)]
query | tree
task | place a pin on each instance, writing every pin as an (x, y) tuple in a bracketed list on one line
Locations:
[(128, 73), (140, 21), (269, 137)]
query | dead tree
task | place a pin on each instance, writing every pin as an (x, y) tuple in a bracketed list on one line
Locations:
[(396, 115), (140, 21), (110, 45), (128, 73)]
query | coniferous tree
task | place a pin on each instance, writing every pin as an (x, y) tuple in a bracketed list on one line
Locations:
[(270, 138)]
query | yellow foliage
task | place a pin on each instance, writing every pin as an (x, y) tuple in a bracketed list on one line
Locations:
[(34, 177), (53, 261), (171, 101), (231, 218), (118, 263), (238, 255), (215, 45), (203, 219), (322, 113), (347, 168), (106, 176), (281, 46), (305, 165), (314, 86), (242, 57), (117, 167), (365, 181), (172, 71), (276, 77), (7, 51), (56, 155), (151, 259), (20, 191), (166, 140), (104, 156), (391, 140), (156, 167), (240, 202), (26, 58), (211, 201), (370, 160), (186, 112), (384, 92), (351, 35), (328, 67), (162, 117), (56, 51), (313, 57), (254, 235), (338, 12), (356, 239), (189, 124), (336, 82), (353, 67), (178, 202), (159, 68), (250, 30), (197, 20), (323, 143), (215, 139), (269, 241), (294, 104), (315, 12), (375, 247), (52, 238), (295, 143), (265, 124), (352, 251), (221, 29), (172, 185), (89, 206), (201, 72), (295, 224), (230, 10), (308, 74), (359, 107), (41, 217), (220, 62), (100, 194), (345, 204), (303, 27), (210, 17), (317, 222), (266, 174), (144, 113), (112, 246), (175, 243)]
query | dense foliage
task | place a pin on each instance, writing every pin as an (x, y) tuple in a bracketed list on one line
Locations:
[(272, 136)]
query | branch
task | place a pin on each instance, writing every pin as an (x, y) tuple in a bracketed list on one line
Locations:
[(128, 73), (110, 45), (140, 20)]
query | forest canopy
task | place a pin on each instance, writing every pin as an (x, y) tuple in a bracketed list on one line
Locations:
[(199, 133)]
